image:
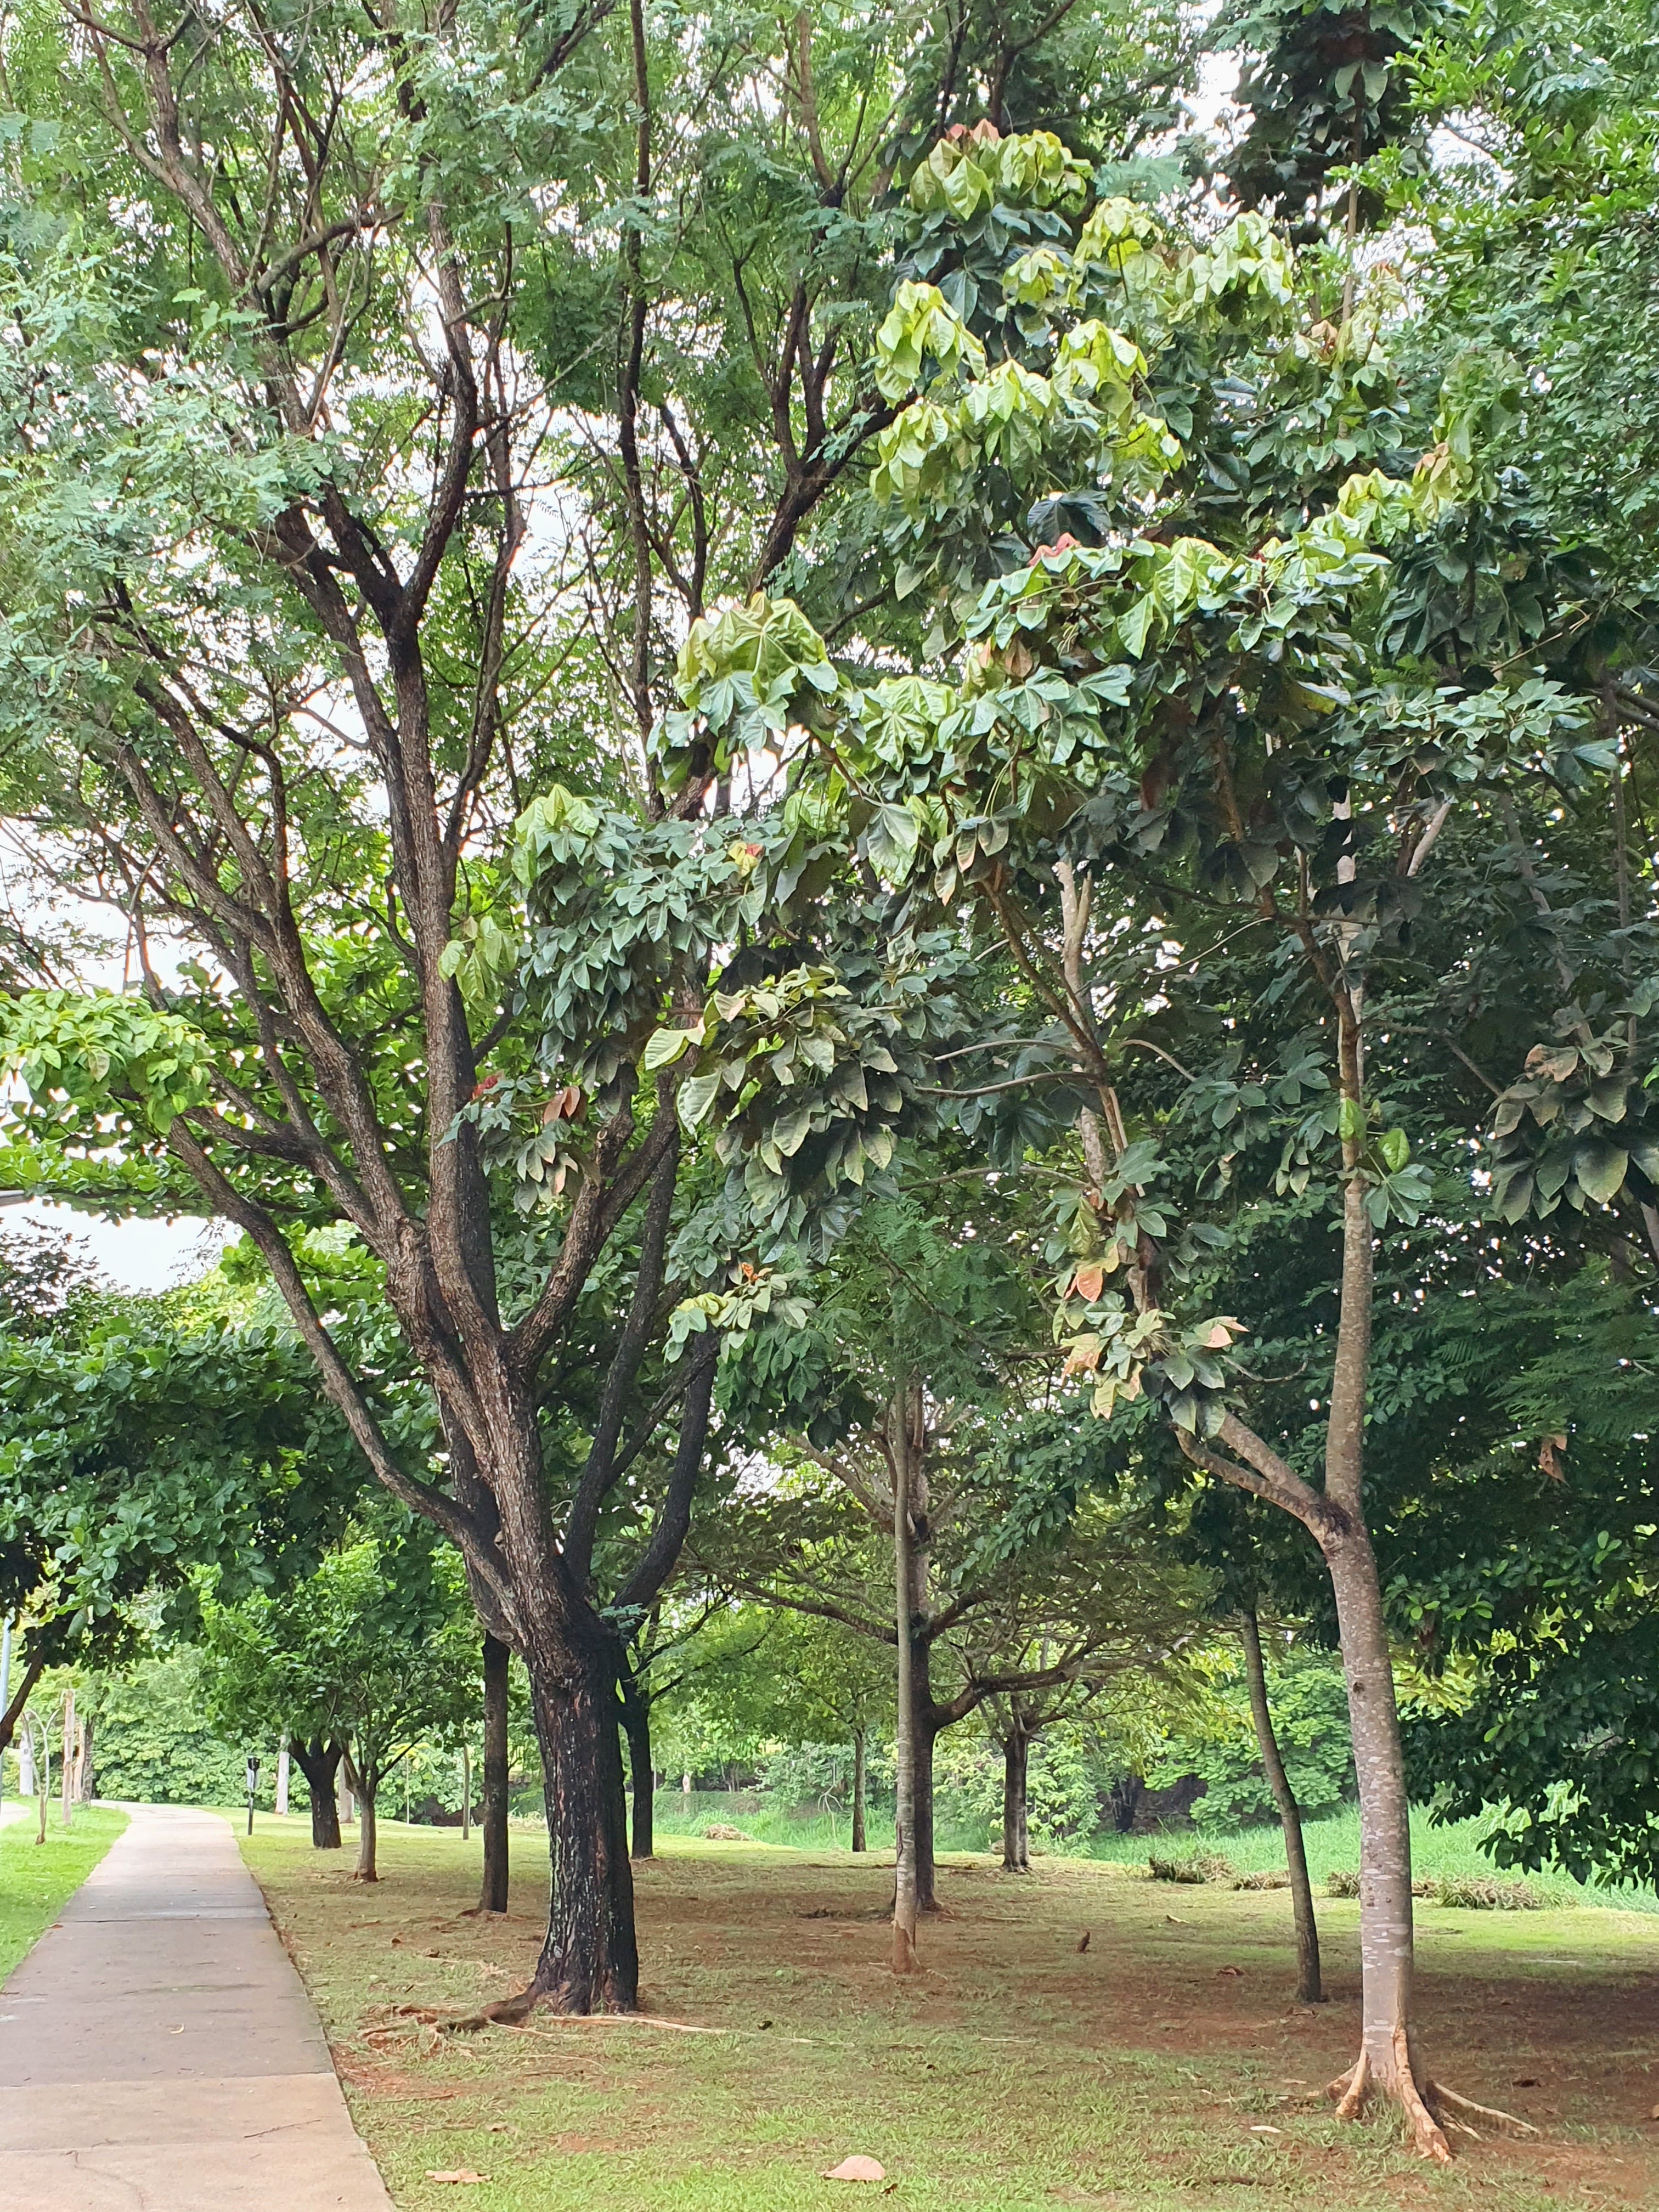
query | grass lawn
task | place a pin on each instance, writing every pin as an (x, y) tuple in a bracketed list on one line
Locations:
[(1164, 2067), (36, 1878)]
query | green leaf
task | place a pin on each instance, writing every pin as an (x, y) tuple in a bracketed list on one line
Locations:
[(697, 1096), (663, 1047), (1600, 1170), (891, 841)]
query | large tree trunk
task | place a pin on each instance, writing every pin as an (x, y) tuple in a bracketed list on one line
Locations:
[(859, 1842), (590, 1961), (492, 1893), (636, 1725), (1310, 1989), (1015, 1757), (906, 1891), (320, 1762)]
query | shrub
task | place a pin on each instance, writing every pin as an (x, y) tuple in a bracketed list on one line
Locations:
[(1474, 1892), (1191, 1867), (1269, 1878), (718, 1832), (1344, 1882)]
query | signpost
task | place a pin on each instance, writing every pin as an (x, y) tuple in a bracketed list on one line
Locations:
[(252, 1784)]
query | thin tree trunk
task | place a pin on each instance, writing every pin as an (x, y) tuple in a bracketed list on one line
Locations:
[(283, 1759), (320, 1762), (859, 1842), (590, 1959), (636, 1723), (905, 1896), (492, 1892), (87, 1777), (1016, 1755), (924, 1737), (1310, 1989), (365, 1788), (467, 1793), (1388, 2060)]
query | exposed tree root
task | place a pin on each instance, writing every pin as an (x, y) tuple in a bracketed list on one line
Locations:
[(1352, 2092), (1428, 2137), (515, 2011), (1492, 2115), (1351, 2089), (643, 2020), (1430, 2111), (503, 2012)]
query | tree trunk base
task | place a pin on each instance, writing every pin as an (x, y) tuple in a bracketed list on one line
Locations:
[(514, 2011), (1430, 2109), (359, 1875)]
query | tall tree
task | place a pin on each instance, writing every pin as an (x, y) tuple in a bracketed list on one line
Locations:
[(267, 521), (371, 1654), (1160, 710)]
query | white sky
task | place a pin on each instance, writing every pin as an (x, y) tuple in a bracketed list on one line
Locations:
[(136, 1256)]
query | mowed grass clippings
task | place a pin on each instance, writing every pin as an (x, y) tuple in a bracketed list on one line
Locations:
[(1163, 2067), (36, 1880)]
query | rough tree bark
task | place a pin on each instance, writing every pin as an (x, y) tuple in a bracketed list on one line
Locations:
[(319, 1760), (859, 1842), (589, 1960), (1015, 1761), (492, 1892), (925, 1726), (1310, 1989), (637, 1727), (905, 1899)]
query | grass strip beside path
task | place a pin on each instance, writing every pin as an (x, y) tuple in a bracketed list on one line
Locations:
[(36, 1879), (1163, 2069)]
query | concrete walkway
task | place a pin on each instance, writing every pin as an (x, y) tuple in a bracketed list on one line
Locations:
[(158, 2053)]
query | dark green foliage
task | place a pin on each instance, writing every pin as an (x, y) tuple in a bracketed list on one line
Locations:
[(1324, 84), (1310, 1718), (154, 1741), (376, 1649)]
